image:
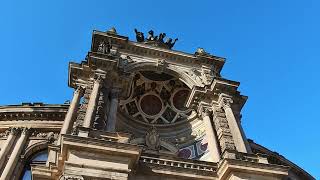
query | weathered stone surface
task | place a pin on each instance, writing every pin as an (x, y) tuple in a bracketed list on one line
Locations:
[(140, 111)]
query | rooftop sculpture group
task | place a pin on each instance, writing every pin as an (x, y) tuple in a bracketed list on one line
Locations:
[(155, 40)]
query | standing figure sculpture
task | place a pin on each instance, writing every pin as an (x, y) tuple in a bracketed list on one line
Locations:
[(139, 35), (169, 42), (161, 37), (151, 36)]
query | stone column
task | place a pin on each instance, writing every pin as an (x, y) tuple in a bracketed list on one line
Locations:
[(112, 116), (211, 137), (238, 138), (15, 155), (71, 114), (7, 146), (92, 104)]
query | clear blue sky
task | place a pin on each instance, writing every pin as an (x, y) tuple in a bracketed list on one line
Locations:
[(272, 47)]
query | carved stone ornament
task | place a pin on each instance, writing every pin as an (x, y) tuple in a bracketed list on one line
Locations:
[(71, 177), (104, 47), (152, 139), (226, 102), (206, 111)]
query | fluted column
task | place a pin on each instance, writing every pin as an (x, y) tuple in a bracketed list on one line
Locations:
[(7, 146), (15, 155), (112, 116), (211, 137), (92, 104), (72, 111), (238, 138)]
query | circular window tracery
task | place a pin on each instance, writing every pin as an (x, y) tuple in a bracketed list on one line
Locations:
[(151, 104), (157, 98)]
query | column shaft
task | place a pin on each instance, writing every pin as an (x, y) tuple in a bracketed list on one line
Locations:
[(211, 138), (235, 130), (6, 147), (92, 104), (15, 155), (112, 116), (71, 114)]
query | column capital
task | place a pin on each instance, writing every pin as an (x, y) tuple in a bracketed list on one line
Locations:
[(225, 101), (98, 78), (204, 109), (80, 90), (25, 130), (13, 130)]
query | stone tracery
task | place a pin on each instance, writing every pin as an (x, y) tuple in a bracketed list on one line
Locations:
[(157, 98)]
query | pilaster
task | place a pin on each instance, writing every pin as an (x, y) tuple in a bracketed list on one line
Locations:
[(15, 155), (7, 145), (92, 105), (238, 138), (211, 135)]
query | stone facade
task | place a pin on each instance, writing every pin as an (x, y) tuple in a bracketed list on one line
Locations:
[(140, 110)]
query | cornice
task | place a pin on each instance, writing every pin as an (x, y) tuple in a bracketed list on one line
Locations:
[(123, 44), (179, 167), (30, 115)]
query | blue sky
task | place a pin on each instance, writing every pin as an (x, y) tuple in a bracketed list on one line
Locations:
[(272, 48)]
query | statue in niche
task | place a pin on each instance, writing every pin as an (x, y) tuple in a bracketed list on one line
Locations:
[(161, 37), (169, 42), (139, 35)]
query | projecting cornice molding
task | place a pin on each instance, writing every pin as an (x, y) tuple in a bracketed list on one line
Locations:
[(210, 94), (124, 45)]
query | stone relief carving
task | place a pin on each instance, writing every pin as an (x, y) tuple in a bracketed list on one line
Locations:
[(152, 139), (124, 61), (104, 47), (6, 133), (49, 136)]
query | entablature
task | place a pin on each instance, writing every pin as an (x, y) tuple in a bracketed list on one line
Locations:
[(124, 45), (210, 95)]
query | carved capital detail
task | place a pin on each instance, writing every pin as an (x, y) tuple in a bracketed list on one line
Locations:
[(80, 90), (13, 130), (25, 130), (225, 101), (206, 111), (99, 79)]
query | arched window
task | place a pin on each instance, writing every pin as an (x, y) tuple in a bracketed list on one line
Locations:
[(38, 158)]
